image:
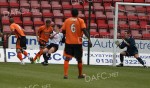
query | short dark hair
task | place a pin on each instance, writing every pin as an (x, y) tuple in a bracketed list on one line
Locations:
[(48, 21), (128, 31), (58, 25), (74, 12)]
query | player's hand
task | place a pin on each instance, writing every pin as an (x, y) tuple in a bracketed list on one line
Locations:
[(117, 42), (1, 34), (125, 42)]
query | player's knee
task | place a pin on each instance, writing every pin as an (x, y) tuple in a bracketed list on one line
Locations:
[(18, 50), (66, 58), (79, 61), (45, 50)]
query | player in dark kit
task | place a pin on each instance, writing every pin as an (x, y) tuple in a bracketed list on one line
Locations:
[(132, 50)]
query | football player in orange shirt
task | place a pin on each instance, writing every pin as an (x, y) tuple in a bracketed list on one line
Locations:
[(43, 34), (21, 39), (73, 28)]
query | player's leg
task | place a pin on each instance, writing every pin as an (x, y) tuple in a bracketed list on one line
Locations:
[(23, 46), (45, 50), (66, 67), (68, 54), (139, 59), (78, 52), (42, 46), (122, 54), (18, 50)]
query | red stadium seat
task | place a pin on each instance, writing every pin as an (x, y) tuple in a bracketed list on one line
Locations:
[(55, 2), (128, 0), (29, 30), (136, 34), (93, 26), (47, 13), (4, 11), (36, 13), (108, 8), (67, 7), (58, 15), (35, 4), (134, 25), (45, 5), (27, 21), (104, 34), (94, 34), (26, 12), (148, 9), (5, 20), (110, 24), (97, 1), (140, 9), (24, 4), (130, 8), (132, 17), (143, 24), (77, 6), (6, 29), (122, 17), (81, 15), (146, 36), (139, 1), (147, 1), (15, 12), (17, 20), (56, 7), (109, 15), (4, 3), (142, 16), (13, 3), (123, 25), (98, 8), (102, 24), (65, 2), (38, 21), (100, 15)]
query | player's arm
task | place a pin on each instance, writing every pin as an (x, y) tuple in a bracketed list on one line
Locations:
[(121, 45), (126, 42), (52, 35), (131, 42), (38, 32), (63, 31), (86, 33), (12, 30)]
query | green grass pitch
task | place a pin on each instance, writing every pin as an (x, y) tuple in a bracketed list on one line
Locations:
[(14, 75)]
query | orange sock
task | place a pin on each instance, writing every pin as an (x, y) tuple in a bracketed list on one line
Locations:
[(38, 54), (25, 53), (19, 55), (80, 68), (66, 66)]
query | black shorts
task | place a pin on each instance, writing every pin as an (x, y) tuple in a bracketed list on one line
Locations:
[(42, 43), (131, 53), (74, 50), (53, 45), (22, 40)]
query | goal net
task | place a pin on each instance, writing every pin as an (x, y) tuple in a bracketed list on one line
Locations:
[(134, 17)]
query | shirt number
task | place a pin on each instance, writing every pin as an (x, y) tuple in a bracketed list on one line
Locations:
[(73, 28)]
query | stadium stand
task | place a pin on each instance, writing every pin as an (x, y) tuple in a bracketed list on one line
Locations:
[(31, 14)]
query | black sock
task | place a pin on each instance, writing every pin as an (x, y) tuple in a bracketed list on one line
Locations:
[(45, 58), (140, 60), (121, 58)]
